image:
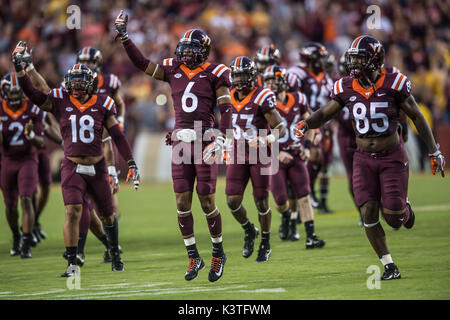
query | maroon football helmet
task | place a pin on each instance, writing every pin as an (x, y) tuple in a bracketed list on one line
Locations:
[(10, 89), (193, 48), (365, 55), (267, 56), (243, 73), (279, 74), (90, 56), (314, 55)]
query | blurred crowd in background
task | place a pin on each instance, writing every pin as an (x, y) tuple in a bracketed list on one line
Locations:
[(416, 36)]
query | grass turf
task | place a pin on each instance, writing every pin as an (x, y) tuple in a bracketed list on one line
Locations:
[(156, 260)]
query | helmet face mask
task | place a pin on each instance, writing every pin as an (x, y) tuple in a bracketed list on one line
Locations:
[(79, 82), (365, 56), (193, 48), (275, 78), (12, 94), (243, 74)]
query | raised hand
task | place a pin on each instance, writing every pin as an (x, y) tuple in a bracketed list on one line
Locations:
[(437, 162), (302, 127), (121, 25), (18, 55)]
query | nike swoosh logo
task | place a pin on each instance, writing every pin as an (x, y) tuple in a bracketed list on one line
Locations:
[(402, 219), (295, 109), (220, 271), (93, 110), (406, 163), (248, 108), (181, 225), (202, 76), (212, 226), (381, 94)]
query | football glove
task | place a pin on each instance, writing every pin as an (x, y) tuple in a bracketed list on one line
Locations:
[(437, 162), (133, 173), (261, 142), (121, 26), (215, 150), (18, 55), (302, 127), (113, 179)]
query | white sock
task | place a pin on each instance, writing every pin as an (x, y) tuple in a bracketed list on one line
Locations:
[(386, 259)]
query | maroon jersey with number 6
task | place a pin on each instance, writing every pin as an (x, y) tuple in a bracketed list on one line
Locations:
[(81, 124), (194, 91), (374, 113), (15, 145)]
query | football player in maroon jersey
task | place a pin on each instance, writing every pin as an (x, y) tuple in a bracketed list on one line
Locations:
[(254, 110), (292, 106), (266, 56), (82, 116), (316, 84), (21, 133), (89, 219), (380, 166), (198, 86)]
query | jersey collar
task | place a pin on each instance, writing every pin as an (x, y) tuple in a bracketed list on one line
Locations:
[(84, 106), (367, 93), (15, 114)]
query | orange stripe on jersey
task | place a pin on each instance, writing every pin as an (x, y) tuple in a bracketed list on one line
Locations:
[(261, 98), (84, 106), (399, 81), (238, 105), (218, 70)]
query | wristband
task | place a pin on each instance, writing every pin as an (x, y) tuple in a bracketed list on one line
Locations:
[(120, 119), (112, 171), (308, 144), (437, 152), (30, 136), (29, 67)]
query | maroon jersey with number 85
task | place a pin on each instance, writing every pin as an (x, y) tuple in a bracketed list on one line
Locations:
[(81, 124), (374, 113)]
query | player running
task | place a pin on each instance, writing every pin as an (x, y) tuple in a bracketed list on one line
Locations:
[(82, 116), (89, 219), (316, 84), (21, 134), (197, 87), (380, 166), (253, 112), (292, 107)]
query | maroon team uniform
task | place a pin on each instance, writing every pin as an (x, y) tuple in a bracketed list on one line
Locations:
[(382, 175), (248, 119), (81, 129), (295, 172), (194, 99), (19, 174), (317, 89)]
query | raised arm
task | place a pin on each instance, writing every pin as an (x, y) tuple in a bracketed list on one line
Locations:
[(36, 79), (37, 97), (135, 55)]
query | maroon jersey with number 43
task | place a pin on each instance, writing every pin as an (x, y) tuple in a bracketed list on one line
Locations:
[(374, 113), (194, 91), (81, 125), (15, 145)]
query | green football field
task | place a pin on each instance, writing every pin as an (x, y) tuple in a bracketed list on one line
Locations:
[(156, 260)]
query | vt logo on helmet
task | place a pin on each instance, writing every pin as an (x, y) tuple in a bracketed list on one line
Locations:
[(365, 55), (91, 57), (275, 78), (243, 73), (10, 89), (79, 81), (193, 48)]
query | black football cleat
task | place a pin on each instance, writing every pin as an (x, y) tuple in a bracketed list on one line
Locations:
[(195, 265), (264, 252), (72, 270), (217, 265), (107, 256), (249, 242), (38, 232), (293, 234), (410, 223), (323, 207), (391, 272), (283, 230), (116, 261), (15, 250), (80, 259), (314, 242), (25, 252)]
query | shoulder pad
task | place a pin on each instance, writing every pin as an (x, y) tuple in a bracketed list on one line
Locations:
[(219, 70), (399, 81), (57, 93), (338, 87), (108, 103), (35, 109), (262, 96)]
